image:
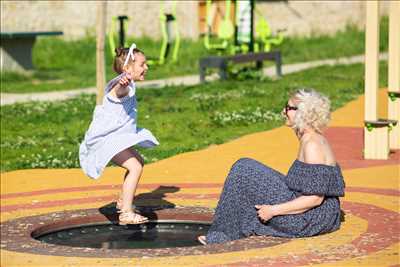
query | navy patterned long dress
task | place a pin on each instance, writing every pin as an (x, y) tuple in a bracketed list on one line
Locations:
[(251, 183)]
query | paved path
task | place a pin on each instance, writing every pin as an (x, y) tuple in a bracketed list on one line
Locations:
[(9, 98), (369, 236)]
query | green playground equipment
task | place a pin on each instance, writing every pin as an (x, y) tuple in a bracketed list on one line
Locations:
[(170, 34), (112, 35), (225, 32), (169, 31), (264, 38), (245, 40), (244, 37), (240, 43), (238, 37)]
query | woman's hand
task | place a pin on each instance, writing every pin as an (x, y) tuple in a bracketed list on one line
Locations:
[(266, 212), (125, 80)]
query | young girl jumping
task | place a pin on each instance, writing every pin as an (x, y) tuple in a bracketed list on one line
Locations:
[(113, 131)]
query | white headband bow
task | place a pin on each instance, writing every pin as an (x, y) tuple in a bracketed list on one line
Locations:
[(130, 54)]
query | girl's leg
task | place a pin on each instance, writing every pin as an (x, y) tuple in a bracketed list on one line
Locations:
[(133, 163)]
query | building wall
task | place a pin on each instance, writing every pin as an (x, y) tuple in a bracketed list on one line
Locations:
[(78, 18), (306, 18)]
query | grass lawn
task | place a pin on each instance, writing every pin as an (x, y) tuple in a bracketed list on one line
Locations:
[(47, 134), (62, 65)]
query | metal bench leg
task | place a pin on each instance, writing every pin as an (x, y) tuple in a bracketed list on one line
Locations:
[(223, 70), (202, 69), (278, 62)]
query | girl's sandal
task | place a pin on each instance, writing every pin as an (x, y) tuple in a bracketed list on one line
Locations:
[(202, 239), (129, 217), (118, 205)]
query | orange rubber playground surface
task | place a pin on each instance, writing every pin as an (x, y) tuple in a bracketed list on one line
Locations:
[(369, 236)]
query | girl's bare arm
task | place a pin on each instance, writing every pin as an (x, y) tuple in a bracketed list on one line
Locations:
[(121, 89)]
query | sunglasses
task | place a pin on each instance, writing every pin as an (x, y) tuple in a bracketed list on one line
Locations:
[(288, 108)]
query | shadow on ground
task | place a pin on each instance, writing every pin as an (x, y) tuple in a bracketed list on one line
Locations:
[(145, 203)]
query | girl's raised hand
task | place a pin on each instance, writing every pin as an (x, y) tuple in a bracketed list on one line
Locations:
[(125, 79)]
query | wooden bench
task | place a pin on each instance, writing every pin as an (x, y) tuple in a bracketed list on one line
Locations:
[(221, 62), (16, 49)]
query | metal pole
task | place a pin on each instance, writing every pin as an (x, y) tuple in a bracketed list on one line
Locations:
[(122, 30), (251, 48)]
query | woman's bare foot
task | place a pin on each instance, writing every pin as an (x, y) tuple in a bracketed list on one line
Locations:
[(202, 239)]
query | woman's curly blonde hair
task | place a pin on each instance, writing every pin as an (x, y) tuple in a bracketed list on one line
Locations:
[(313, 110)]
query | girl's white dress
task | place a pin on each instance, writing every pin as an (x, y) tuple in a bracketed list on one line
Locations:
[(112, 130)]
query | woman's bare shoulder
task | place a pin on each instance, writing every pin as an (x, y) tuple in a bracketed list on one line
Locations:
[(317, 150), (313, 151)]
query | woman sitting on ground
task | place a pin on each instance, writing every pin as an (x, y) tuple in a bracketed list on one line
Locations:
[(257, 200)]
